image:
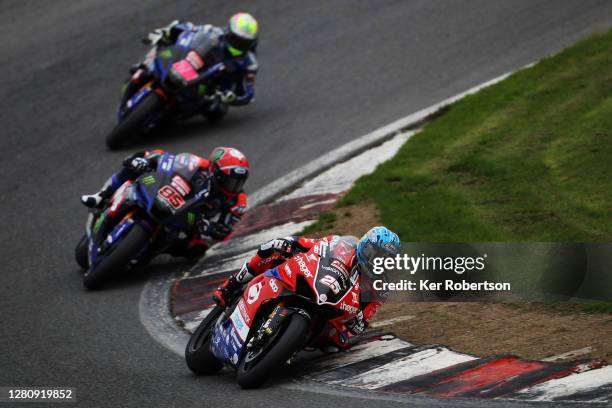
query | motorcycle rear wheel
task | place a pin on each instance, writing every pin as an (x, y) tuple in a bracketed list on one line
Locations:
[(117, 257), (198, 356), (253, 374), (133, 124)]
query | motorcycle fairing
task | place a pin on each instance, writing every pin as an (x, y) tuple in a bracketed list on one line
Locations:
[(229, 336)]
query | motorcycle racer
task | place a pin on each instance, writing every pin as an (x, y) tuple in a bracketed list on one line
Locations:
[(223, 174), (235, 44), (377, 242)]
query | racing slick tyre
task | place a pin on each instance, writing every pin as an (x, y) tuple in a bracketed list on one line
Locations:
[(80, 252), (198, 355), (116, 257), (135, 121), (257, 365)]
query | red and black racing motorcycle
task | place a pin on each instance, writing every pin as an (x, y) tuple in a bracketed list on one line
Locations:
[(303, 302)]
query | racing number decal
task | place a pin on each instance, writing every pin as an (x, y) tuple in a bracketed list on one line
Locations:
[(331, 283), (171, 196)]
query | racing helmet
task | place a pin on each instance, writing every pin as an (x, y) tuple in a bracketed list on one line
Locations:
[(229, 168), (241, 33), (378, 242)]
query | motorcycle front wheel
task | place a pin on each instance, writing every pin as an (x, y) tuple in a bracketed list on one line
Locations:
[(116, 257), (257, 365), (134, 123), (80, 252), (198, 356)]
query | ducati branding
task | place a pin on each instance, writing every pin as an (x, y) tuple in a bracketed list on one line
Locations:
[(253, 294)]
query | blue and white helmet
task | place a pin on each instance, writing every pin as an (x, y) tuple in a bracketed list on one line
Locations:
[(377, 242)]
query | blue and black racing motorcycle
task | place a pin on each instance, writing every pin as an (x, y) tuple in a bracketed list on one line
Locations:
[(143, 218), (178, 81)]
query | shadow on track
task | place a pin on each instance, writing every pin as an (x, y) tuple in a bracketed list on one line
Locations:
[(162, 265), (190, 129)]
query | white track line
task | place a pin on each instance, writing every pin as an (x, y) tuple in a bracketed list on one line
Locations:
[(562, 388), (416, 364), (358, 353), (569, 354), (342, 176)]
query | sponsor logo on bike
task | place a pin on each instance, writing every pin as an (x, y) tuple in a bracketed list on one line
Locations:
[(243, 311), (253, 294), (349, 308), (303, 267), (239, 324), (273, 285), (181, 185)]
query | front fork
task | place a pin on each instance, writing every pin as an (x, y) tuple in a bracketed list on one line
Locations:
[(274, 322)]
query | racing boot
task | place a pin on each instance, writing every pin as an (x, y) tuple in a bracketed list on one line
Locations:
[(214, 110), (97, 200), (225, 293)]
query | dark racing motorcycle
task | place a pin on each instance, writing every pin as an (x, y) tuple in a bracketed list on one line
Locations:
[(181, 82), (303, 302), (143, 218)]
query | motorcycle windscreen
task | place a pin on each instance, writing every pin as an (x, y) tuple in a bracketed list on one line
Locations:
[(334, 276)]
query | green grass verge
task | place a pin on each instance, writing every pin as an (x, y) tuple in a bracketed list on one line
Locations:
[(528, 159), (325, 221)]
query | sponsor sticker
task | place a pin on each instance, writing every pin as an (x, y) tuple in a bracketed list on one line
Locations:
[(303, 267), (273, 285), (243, 311), (239, 324), (181, 185), (349, 308), (253, 293)]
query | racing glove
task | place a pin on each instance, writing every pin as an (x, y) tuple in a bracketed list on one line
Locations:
[(227, 97), (358, 324), (138, 164), (227, 291), (161, 35), (218, 231), (282, 245)]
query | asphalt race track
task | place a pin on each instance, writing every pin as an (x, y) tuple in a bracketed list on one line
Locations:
[(330, 71)]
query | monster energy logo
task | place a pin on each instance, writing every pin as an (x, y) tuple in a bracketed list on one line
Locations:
[(190, 218), (98, 223), (165, 54), (219, 154), (148, 180), (201, 89)]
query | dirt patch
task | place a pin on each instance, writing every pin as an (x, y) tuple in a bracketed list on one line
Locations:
[(351, 220), (532, 331), (529, 330)]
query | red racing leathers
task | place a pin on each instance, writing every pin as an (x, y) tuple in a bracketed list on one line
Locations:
[(272, 254)]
